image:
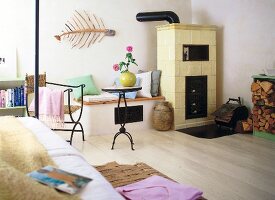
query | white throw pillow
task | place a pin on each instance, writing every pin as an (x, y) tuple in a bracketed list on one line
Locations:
[(145, 83)]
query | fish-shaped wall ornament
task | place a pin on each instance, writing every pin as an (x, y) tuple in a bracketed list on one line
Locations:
[(84, 30)]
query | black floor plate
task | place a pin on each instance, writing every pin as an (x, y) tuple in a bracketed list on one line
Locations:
[(207, 131)]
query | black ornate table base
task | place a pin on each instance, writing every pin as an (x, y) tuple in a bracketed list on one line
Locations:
[(122, 129)]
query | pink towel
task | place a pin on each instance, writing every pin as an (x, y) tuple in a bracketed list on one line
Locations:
[(51, 106), (159, 188)]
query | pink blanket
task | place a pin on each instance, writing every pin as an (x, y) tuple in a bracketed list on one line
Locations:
[(158, 188), (51, 106)]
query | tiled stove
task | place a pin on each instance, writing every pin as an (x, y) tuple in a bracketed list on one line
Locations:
[(187, 55)]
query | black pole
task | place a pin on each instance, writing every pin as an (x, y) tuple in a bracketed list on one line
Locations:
[(36, 74)]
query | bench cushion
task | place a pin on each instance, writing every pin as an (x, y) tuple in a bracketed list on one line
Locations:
[(155, 81), (90, 87), (145, 83), (104, 96)]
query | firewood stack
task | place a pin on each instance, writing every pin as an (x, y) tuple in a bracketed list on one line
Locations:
[(263, 98), (264, 119), (263, 93)]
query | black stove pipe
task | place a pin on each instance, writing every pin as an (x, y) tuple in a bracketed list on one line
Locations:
[(169, 16)]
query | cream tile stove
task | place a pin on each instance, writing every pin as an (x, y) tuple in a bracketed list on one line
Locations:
[(186, 53)]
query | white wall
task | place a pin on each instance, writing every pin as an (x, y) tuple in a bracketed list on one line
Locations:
[(245, 38), (59, 60), (245, 41)]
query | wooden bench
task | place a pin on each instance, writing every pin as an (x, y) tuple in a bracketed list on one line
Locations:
[(98, 116), (128, 100)]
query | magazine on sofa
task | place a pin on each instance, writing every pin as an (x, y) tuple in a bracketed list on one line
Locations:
[(59, 179)]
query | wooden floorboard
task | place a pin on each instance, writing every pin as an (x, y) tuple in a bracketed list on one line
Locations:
[(230, 167)]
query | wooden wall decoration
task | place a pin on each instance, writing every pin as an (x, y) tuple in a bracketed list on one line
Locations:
[(83, 30)]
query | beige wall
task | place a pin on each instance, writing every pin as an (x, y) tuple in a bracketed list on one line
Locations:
[(59, 60), (245, 42)]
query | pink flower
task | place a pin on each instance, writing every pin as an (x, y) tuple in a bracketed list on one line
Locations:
[(129, 48), (123, 66), (116, 67)]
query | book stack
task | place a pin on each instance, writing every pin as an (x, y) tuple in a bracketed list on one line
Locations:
[(13, 97)]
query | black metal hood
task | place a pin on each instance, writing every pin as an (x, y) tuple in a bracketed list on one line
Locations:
[(169, 16)]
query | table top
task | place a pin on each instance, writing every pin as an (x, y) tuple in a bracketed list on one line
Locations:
[(115, 89)]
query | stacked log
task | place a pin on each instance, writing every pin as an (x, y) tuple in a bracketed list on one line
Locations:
[(264, 119), (245, 126), (263, 93), (263, 98), (248, 124)]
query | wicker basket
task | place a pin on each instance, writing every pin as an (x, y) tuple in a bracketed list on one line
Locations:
[(163, 116)]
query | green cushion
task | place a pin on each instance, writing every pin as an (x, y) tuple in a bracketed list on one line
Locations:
[(89, 88)]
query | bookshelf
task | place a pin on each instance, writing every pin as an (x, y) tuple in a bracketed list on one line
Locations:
[(7, 83)]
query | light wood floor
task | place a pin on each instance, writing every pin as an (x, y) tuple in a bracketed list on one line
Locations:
[(230, 167)]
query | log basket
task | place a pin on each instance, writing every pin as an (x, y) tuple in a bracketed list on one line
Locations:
[(230, 113)]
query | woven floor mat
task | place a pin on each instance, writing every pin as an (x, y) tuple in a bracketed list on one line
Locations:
[(120, 175)]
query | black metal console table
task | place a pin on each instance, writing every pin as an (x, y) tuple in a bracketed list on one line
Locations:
[(121, 91)]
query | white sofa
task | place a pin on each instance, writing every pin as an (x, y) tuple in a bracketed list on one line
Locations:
[(69, 159)]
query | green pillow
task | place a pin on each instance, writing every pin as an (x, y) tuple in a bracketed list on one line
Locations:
[(89, 88)]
